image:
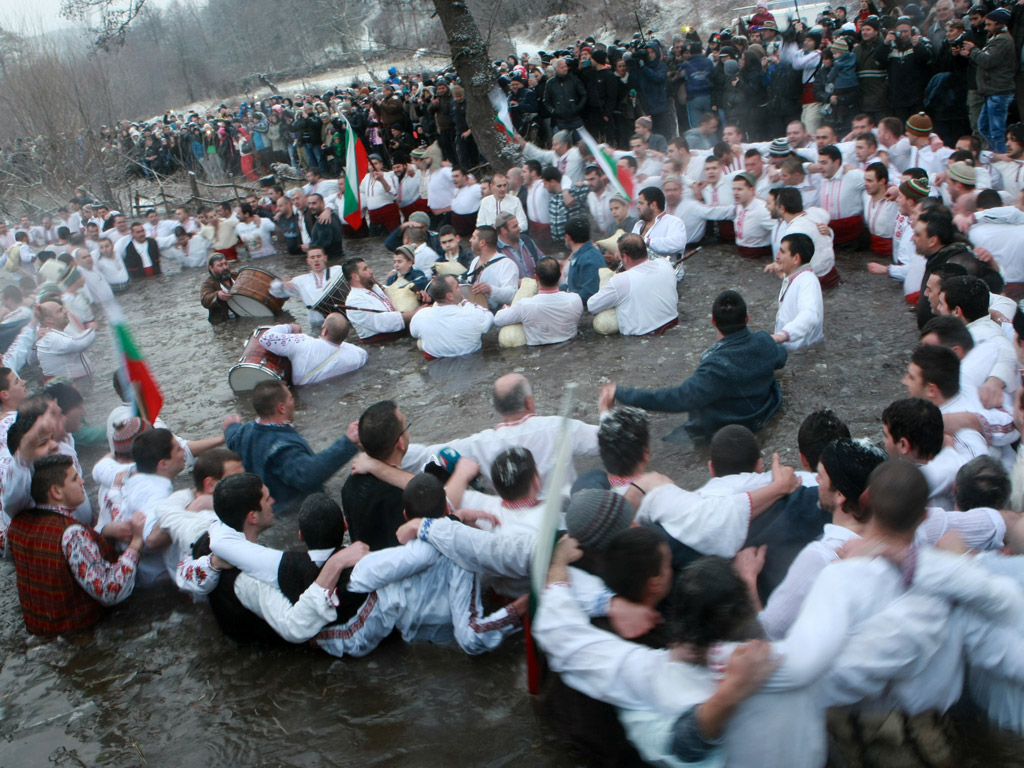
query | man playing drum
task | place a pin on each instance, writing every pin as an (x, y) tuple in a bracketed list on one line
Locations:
[(215, 291), (311, 287)]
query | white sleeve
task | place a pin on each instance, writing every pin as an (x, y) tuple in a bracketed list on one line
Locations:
[(785, 601), (516, 313), (17, 487), (584, 438), (606, 667), (504, 293), (295, 623), (607, 297), (479, 551), (280, 340), (712, 526), (806, 320), (378, 569), (1008, 214), (60, 343), (980, 528), (196, 575), (257, 561), (671, 241)]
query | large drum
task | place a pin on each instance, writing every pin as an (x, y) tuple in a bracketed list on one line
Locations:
[(250, 294), (333, 297), (257, 364)]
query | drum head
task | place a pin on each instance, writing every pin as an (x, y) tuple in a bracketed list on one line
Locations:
[(245, 376), (257, 269), (246, 306)]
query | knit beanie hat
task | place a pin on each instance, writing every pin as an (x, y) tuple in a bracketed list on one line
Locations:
[(915, 189), (72, 275), (730, 67), (49, 292), (849, 463), (919, 124), (420, 217), (999, 16), (125, 433), (840, 46), (962, 172), (780, 148), (594, 517)]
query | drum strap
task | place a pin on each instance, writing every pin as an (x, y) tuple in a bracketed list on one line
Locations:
[(319, 368)]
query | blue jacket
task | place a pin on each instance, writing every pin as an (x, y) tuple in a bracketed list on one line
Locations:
[(697, 72), (734, 384), (844, 72), (285, 461), (583, 266)]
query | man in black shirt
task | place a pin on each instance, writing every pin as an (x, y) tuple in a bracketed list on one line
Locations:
[(374, 510)]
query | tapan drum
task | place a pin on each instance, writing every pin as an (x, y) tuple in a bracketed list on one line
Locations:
[(257, 364), (334, 296), (250, 294)]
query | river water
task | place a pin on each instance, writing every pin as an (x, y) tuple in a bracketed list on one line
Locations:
[(155, 683)]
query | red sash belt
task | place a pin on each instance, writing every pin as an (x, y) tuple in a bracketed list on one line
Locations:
[(881, 245), (847, 230), (759, 252), (831, 279)]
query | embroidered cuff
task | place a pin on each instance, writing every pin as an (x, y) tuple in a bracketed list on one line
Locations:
[(424, 532)]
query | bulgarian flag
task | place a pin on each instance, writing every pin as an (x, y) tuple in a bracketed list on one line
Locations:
[(148, 397), (621, 178), (356, 167), (503, 124)]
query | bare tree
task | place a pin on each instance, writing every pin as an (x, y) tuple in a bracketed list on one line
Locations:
[(472, 61)]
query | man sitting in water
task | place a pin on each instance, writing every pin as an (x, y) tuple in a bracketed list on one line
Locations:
[(310, 287), (801, 317), (644, 295), (272, 448), (452, 326), (371, 312), (550, 317), (67, 573), (316, 359), (734, 383)]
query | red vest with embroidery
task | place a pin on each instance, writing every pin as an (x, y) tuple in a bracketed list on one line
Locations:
[(51, 600)]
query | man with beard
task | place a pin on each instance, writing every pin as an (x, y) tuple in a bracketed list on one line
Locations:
[(216, 289), (663, 234)]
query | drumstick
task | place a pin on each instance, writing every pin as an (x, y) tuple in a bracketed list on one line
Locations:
[(359, 309), (691, 253)]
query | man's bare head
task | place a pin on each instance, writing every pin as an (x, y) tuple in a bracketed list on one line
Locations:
[(513, 395)]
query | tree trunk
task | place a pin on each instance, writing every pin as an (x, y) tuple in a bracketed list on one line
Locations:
[(472, 62)]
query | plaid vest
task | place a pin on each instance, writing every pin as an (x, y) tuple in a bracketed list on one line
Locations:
[(51, 600)]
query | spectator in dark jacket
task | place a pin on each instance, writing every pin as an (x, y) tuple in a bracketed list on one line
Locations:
[(651, 75), (908, 58), (697, 74), (440, 109), (565, 98), (996, 63), (948, 107), (734, 383), (602, 94)]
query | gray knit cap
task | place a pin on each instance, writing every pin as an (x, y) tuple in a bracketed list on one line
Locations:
[(594, 517)]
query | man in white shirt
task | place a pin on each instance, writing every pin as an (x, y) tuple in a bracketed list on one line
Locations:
[(492, 273), (879, 211), (644, 295), (452, 326), (499, 202), (1003, 240), (599, 198), (440, 187), (96, 286), (185, 221), (840, 193), (786, 205), (60, 353), (550, 317), (310, 287), (465, 201), (1011, 165), (801, 316), (255, 231), (662, 233), (316, 360), (111, 267), (562, 155), (537, 204), (378, 193), (156, 227), (159, 458), (933, 374), (370, 310)]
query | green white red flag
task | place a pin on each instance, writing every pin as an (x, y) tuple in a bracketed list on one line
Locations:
[(356, 167), (148, 397), (620, 177), (503, 124)]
